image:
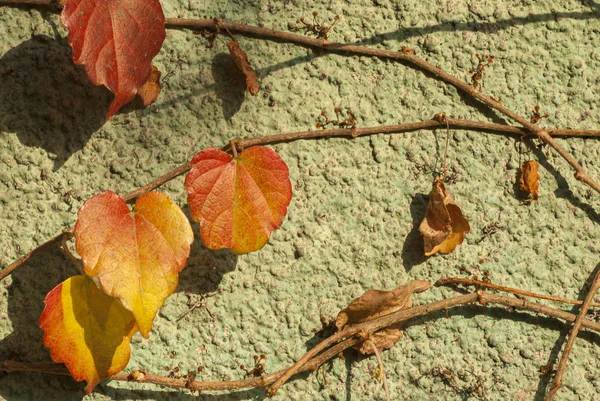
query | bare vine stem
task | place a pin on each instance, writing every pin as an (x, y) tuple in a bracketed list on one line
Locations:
[(406, 56), (303, 135), (517, 291), (564, 358), (330, 346)]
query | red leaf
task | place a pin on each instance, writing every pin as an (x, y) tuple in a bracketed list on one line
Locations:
[(238, 202), (116, 40)]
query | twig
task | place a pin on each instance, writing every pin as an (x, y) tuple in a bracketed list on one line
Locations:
[(470, 282), (564, 358), (374, 325), (406, 56), (380, 361), (315, 134), (314, 361)]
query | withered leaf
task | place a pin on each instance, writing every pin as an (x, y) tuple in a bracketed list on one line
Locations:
[(529, 179), (241, 61), (151, 89), (376, 303), (444, 226)]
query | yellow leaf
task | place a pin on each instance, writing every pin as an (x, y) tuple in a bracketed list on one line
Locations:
[(135, 256), (87, 330)]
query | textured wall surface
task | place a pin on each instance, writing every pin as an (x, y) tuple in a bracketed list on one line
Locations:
[(352, 221)]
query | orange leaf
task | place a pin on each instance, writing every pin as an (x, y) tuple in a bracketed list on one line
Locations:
[(87, 330), (151, 89), (444, 226), (529, 179), (116, 40), (135, 256), (238, 202)]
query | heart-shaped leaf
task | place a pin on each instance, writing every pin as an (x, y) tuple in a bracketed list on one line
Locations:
[(135, 256), (116, 40), (87, 330), (238, 202)]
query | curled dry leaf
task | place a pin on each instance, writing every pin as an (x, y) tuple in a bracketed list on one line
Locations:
[(116, 40), (444, 226), (374, 304), (241, 61), (238, 202), (151, 89), (529, 179), (87, 330)]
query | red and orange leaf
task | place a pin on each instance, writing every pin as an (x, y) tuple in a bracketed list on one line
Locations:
[(87, 330), (238, 202), (116, 40), (135, 256)]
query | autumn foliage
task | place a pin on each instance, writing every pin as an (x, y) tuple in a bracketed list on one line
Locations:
[(132, 257), (238, 201), (116, 41)]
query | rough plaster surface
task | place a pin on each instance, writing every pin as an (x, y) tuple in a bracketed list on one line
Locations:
[(352, 222)]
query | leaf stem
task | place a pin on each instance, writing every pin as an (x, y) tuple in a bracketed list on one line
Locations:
[(483, 284), (381, 368)]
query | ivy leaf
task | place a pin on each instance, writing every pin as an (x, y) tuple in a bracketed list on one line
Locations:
[(134, 256), (116, 40), (238, 202), (376, 303), (87, 330), (444, 226)]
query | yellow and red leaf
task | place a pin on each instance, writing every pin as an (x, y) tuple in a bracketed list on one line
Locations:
[(116, 40), (87, 330), (135, 256), (238, 202)]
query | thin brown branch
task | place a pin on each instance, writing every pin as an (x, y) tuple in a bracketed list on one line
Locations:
[(287, 137), (372, 326), (406, 56), (21, 261), (564, 358), (409, 57), (334, 347), (483, 284)]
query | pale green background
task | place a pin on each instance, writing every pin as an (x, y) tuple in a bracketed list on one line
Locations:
[(351, 222)]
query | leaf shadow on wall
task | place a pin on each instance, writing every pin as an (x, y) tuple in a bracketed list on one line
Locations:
[(47, 100), (230, 84), (413, 247), (205, 268)]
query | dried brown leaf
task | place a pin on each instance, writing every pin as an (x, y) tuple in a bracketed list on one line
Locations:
[(374, 304), (529, 179), (241, 61), (151, 89), (444, 226)]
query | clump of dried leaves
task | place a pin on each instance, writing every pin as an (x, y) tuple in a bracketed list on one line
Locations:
[(376, 303), (444, 226)]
